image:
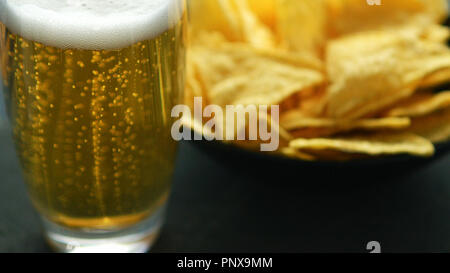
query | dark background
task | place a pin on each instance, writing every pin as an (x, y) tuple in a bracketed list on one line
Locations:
[(218, 208)]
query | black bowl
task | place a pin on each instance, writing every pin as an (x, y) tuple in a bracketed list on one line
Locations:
[(268, 164), (271, 164)]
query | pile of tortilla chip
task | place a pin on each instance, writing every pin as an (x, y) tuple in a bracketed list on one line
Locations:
[(352, 80)]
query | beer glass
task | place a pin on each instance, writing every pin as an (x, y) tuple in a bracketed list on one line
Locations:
[(89, 87)]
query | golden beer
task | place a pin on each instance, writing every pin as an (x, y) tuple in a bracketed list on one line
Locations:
[(92, 124)]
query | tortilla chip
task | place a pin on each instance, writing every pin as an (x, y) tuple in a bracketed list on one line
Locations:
[(301, 25), (238, 74), (221, 17), (372, 70), (294, 153), (254, 31), (434, 127), (305, 127), (308, 103), (438, 78), (193, 86), (289, 123), (436, 33), (312, 128), (232, 18), (284, 135), (301, 59), (277, 52), (374, 145), (264, 9), (350, 16), (196, 127), (437, 10), (420, 104)]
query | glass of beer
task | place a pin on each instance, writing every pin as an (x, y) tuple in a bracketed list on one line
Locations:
[(89, 87)]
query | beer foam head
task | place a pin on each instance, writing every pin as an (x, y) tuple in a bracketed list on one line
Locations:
[(89, 24)]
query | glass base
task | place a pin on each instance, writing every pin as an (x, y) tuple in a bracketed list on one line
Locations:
[(135, 239)]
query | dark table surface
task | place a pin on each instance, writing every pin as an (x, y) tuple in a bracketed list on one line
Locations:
[(216, 208)]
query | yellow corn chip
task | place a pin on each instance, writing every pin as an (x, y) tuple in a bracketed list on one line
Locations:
[(349, 16), (217, 40), (437, 10), (255, 33), (305, 127), (372, 70), (296, 154), (376, 144), (193, 86), (237, 74), (308, 103), (232, 18), (197, 127), (284, 135), (301, 25), (265, 10), (341, 124), (435, 79), (220, 17), (363, 93), (420, 104), (434, 127), (436, 33)]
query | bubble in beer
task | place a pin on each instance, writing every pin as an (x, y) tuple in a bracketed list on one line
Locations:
[(90, 86)]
